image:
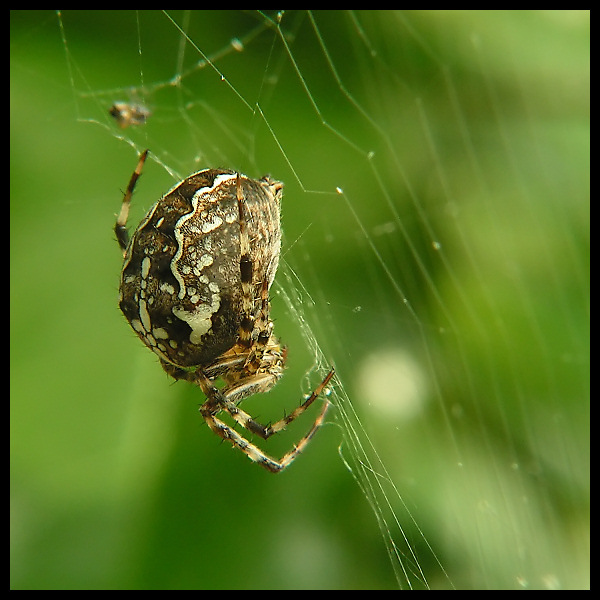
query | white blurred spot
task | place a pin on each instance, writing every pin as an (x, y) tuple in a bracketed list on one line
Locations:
[(393, 383)]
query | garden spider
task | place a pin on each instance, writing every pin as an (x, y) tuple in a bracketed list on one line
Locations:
[(195, 288)]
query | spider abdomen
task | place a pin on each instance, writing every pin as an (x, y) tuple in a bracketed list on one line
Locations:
[(181, 284)]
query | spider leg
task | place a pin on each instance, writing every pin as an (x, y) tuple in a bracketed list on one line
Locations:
[(120, 225), (218, 401), (246, 273), (264, 327), (265, 432), (254, 453)]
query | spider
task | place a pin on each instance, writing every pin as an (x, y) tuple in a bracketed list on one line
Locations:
[(195, 288)]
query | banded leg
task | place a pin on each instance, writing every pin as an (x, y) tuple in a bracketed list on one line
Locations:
[(120, 225), (218, 401), (246, 273), (265, 432)]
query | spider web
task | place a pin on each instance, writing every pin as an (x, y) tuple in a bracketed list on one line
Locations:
[(435, 223)]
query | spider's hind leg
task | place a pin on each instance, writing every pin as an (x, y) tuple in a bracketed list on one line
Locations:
[(254, 453), (120, 225), (265, 432), (218, 400)]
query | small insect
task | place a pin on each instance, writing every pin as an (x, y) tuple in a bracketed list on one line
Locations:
[(129, 114), (195, 288)]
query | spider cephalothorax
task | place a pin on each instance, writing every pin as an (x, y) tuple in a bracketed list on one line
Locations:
[(195, 288)]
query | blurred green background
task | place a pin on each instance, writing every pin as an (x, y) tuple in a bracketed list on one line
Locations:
[(449, 284)]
